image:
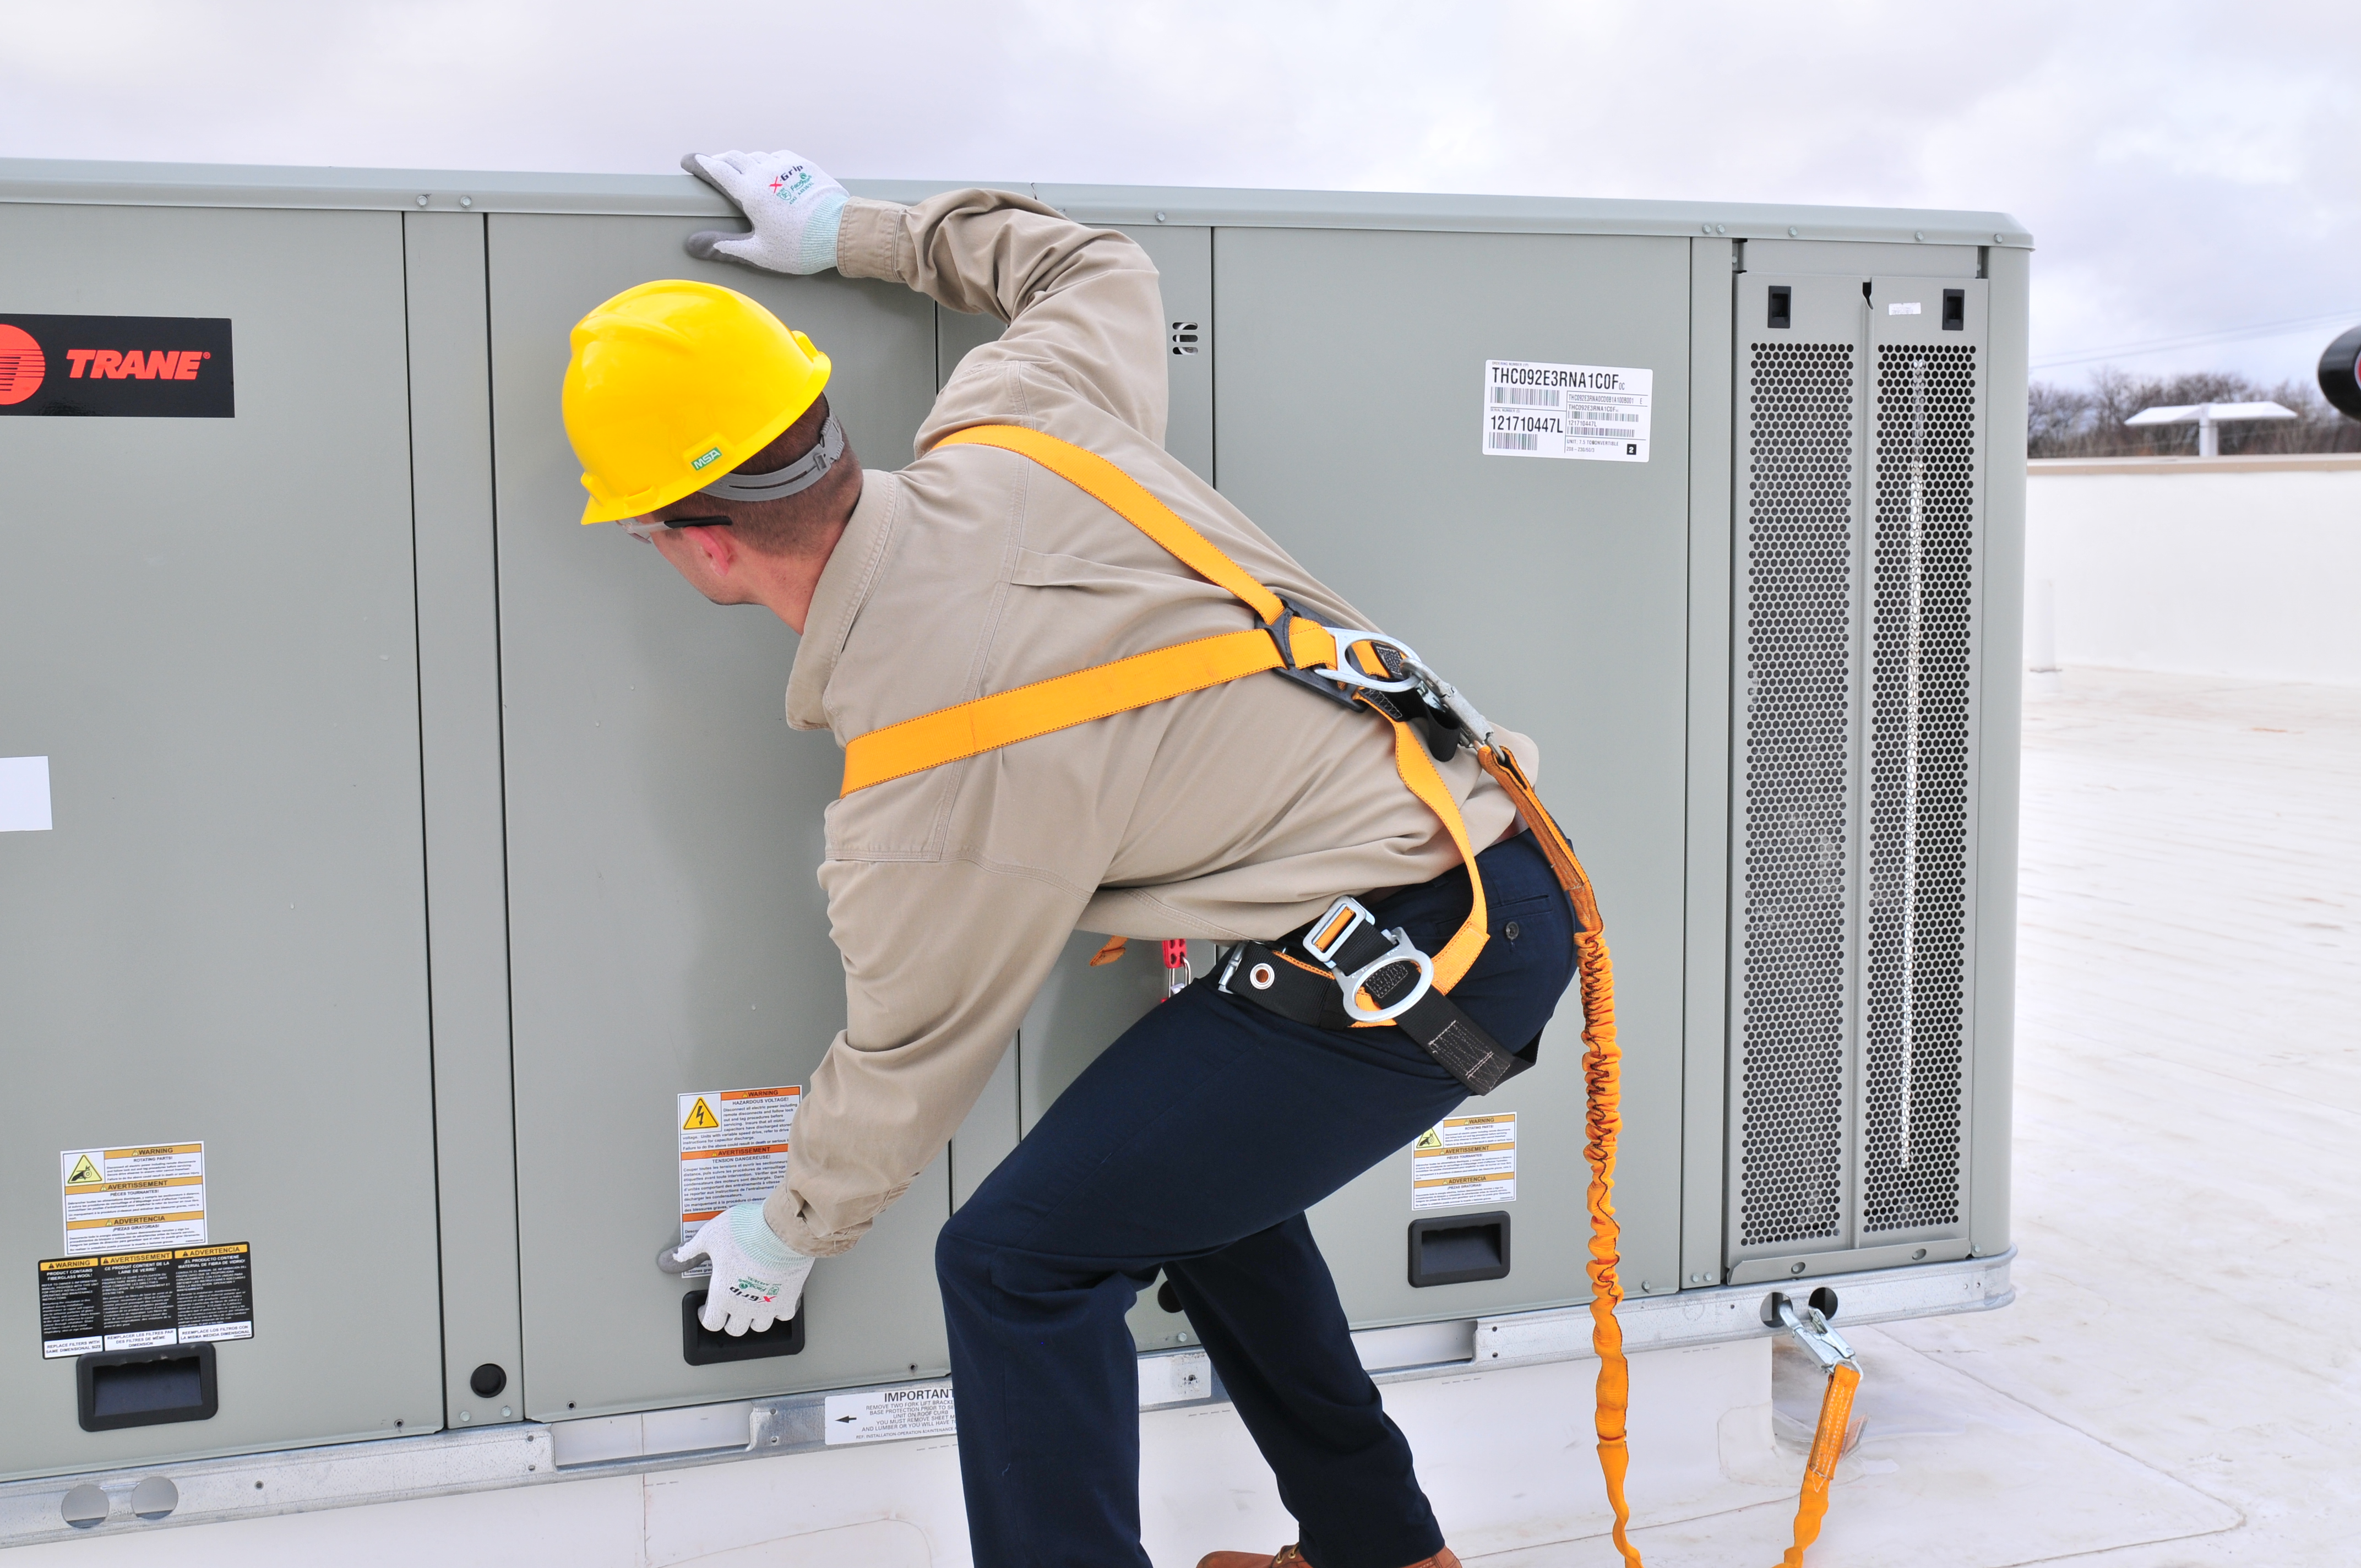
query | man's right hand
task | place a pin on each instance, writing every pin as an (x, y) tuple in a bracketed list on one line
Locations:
[(758, 1279), (795, 209)]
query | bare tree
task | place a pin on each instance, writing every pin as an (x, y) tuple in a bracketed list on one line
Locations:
[(2088, 422)]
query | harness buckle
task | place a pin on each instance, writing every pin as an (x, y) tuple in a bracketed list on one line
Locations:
[(1327, 936)]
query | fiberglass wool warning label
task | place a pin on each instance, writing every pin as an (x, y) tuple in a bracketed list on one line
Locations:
[(123, 1199), (733, 1149), (1595, 412), (1464, 1160)]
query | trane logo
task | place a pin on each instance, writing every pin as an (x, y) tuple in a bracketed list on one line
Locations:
[(156, 365), (150, 367)]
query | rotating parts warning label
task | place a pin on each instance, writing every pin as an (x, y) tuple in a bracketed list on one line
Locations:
[(733, 1149), (1464, 1160), (1594, 412), (886, 1415), (133, 1199), (140, 1300)]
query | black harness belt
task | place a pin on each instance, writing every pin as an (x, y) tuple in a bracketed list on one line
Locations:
[(1323, 973)]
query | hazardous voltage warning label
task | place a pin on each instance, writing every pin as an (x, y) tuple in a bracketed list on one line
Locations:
[(1596, 411), (140, 1300), (1463, 1160), (136, 1198), (733, 1149)]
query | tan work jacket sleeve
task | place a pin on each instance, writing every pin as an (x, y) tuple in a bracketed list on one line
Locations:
[(1080, 303), (944, 945)]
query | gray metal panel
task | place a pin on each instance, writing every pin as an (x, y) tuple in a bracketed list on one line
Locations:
[(1795, 722), (1554, 592), (1925, 596), (466, 884), (1705, 1001), (77, 181), (2002, 676), (666, 930), (209, 629), (1864, 454), (1783, 258)]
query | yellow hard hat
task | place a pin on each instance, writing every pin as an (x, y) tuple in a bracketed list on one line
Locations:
[(674, 383)]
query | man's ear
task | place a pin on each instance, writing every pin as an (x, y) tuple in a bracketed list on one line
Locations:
[(720, 549)]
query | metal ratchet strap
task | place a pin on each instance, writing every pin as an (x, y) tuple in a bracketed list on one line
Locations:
[(1287, 640)]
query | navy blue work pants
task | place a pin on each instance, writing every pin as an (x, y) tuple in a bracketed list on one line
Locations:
[(1193, 1144)]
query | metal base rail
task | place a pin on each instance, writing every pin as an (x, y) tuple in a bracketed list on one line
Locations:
[(528, 1453)]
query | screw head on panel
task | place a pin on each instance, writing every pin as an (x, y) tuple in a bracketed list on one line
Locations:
[(2000, 239), (1159, 217), (1918, 234), (1791, 231), (466, 200), (422, 201)]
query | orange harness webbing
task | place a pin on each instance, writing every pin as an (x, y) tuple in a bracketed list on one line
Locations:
[(970, 728)]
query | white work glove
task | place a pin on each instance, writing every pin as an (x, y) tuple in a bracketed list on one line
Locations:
[(793, 207), (758, 1279)]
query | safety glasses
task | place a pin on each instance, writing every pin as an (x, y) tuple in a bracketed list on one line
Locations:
[(647, 528)]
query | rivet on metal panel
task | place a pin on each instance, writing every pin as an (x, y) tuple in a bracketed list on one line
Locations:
[(2000, 239), (1159, 217), (1721, 228), (466, 200), (1791, 231), (422, 201), (464, 1416), (1707, 227), (1918, 234), (506, 1412)]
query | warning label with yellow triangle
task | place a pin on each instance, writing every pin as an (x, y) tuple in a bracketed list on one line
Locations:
[(700, 1117), (1430, 1139), (84, 1170)]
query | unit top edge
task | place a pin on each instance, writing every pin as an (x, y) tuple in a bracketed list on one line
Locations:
[(98, 183)]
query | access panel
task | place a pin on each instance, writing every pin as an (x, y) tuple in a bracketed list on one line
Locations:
[(1393, 407), (667, 934), (1860, 430), (211, 932)]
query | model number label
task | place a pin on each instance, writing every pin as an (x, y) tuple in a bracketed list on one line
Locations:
[(1533, 409)]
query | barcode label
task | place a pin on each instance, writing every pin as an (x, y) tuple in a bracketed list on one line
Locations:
[(1596, 411)]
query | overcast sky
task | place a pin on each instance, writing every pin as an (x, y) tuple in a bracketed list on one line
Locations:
[(2186, 168)]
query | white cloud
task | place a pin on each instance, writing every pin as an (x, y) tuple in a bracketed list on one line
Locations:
[(2184, 165)]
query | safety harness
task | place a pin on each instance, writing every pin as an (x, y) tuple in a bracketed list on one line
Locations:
[(1340, 970)]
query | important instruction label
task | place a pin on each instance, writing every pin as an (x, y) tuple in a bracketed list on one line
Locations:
[(733, 1149), (1595, 412), (886, 1415), (134, 1200), (139, 1300), (1464, 1160)]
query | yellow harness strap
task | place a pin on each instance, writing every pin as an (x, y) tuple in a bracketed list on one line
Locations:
[(970, 728)]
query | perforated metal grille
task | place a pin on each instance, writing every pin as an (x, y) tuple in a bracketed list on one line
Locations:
[(1798, 707), (1921, 616)]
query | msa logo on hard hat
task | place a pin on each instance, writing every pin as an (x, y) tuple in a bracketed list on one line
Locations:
[(116, 366), (704, 459)]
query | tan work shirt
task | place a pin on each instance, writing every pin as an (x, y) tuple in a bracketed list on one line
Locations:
[(1236, 812)]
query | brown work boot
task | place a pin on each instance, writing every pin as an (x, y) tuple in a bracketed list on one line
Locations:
[(1289, 1556)]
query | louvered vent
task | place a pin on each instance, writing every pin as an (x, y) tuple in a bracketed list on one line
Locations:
[(1922, 615), (1797, 765)]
